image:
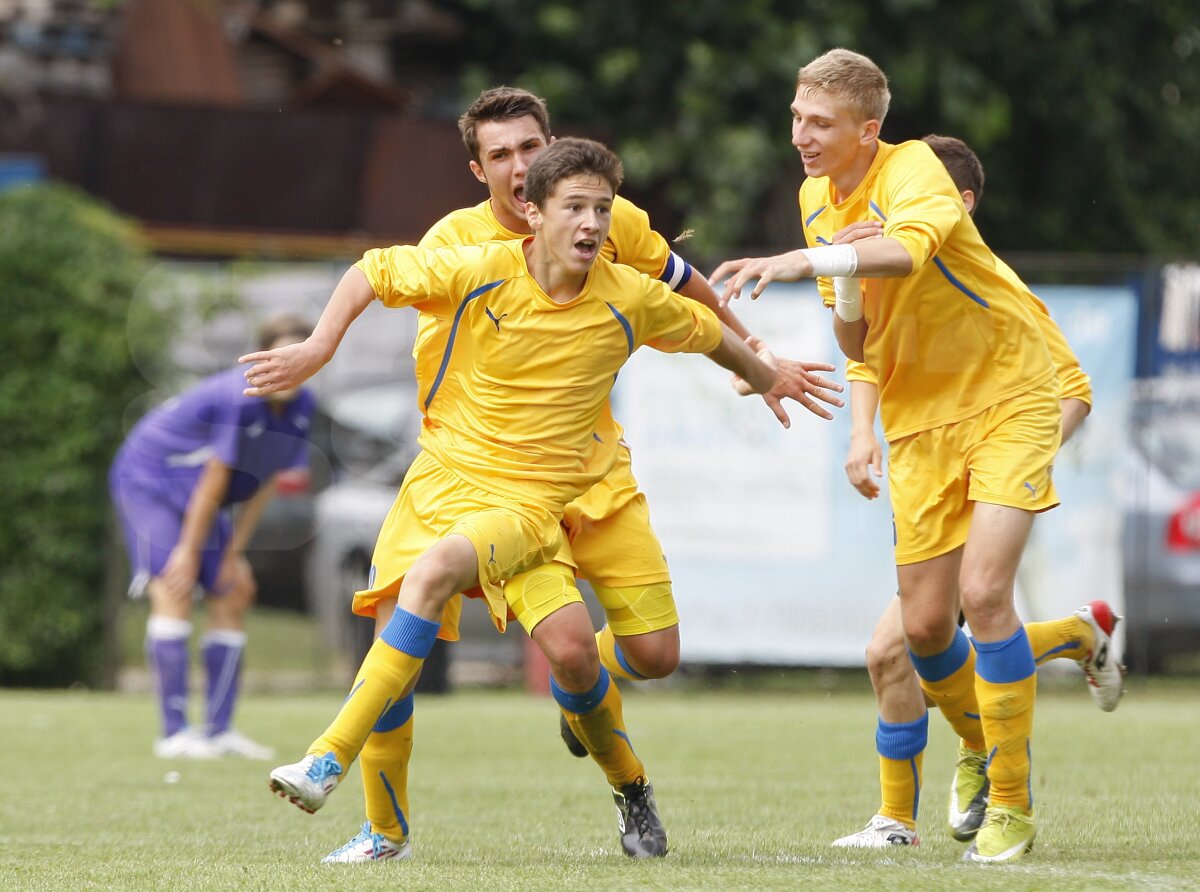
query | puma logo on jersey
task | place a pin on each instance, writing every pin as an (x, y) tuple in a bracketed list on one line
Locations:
[(1032, 489), (495, 319)]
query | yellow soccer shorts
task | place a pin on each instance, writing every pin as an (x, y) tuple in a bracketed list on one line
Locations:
[(1002, 456), (612, 544), (509, 537)]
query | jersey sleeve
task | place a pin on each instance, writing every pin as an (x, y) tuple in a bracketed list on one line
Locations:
[(673, 324), (857, 371), (632, 242), (429, 280), (923, 207), (225, 424), (1073, 382)]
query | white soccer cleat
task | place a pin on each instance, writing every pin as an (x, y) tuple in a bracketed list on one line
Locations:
[(233, 743), (185, 743), (368, 846), (1102, 665), (880, 833), (307, 783)]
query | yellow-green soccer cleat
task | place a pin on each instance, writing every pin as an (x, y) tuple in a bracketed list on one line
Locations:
[(968, 793), (1006, 835)]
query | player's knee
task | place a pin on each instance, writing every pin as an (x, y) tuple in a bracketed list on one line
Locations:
[(928, 636), (573, 658), (983, 597), (886, 658), (652, 656)]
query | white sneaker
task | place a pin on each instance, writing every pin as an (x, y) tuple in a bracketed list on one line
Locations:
[(880, 833), (185, 743), (1102, 665), (309, 782), (233, 743), (368, 846)]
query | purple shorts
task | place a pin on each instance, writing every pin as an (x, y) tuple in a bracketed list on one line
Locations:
[(151, 515)]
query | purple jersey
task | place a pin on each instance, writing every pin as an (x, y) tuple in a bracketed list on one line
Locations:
[(160, 463), (214, 419)]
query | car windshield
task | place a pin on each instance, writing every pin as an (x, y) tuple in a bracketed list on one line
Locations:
[(1171, 440)]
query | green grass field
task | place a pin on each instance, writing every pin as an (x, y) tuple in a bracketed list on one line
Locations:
[(752, 787)]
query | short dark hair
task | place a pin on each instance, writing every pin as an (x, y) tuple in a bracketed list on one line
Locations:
[(566, 158), (283, 325), (501, 104), (961, 163)]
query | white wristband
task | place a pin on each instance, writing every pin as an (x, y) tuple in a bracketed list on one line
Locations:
[(848, 304), (834, 260)]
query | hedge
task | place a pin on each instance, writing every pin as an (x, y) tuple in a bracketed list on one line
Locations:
[(70, 273)]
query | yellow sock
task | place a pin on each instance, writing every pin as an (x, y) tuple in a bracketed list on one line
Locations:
[(1007, 689), (612, 658), (384, 766), (595, 717), (1060, 639), (949, 680), (390, 667), (901, 747)]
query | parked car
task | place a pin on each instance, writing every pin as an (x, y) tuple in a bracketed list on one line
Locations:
[(1162, 525), (352, 433)]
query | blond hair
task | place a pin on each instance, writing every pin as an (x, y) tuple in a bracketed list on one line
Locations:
[(852, 78)]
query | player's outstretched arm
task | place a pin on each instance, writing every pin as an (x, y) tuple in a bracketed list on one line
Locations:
[(796, 380), (872, 258), (288, 367), (757, 370)]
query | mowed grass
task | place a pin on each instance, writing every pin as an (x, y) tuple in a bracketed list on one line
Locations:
[(752, 786)]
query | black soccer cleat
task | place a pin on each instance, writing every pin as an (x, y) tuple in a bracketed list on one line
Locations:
[(642, 833), (574, 744)]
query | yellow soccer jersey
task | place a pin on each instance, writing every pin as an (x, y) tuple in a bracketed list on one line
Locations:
[(522, 380), (1073, 382), (955, 336), (630, 242)]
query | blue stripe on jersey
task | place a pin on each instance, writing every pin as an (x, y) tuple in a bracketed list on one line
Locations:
[(938, 263), (959, 285), (815, 214), (437, 381), (821, 241), (625, 325)]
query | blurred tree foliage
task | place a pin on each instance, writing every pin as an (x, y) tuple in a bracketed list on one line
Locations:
[(1086, 113), (69, 270)]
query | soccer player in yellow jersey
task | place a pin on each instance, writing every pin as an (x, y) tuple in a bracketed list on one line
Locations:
[(967, 397), (1086, 636), (610, 540), (539, 329)]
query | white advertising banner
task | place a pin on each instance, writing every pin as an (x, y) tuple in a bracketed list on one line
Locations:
[(775, 558)]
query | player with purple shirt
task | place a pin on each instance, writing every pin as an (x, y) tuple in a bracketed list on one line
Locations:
[(175, 482)]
